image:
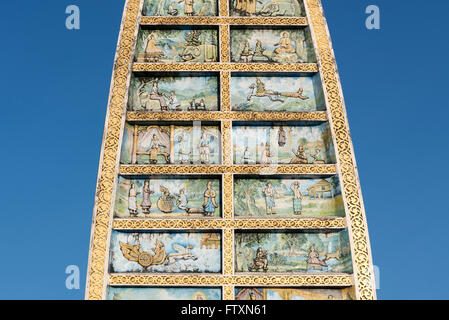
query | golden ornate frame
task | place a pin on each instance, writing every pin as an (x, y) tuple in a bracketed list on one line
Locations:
[(98, 278)]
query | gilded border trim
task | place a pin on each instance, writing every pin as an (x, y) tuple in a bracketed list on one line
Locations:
[(224, 66), (225, 88), (364, 276), (228, 196), (298, 21), (228, 293), (338, 280), (241, 223), (228, 251), (225, 41), (108, 163), (324, 169), (134, 116)]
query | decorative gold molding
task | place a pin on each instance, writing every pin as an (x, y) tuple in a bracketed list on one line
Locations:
[(228, 251), (189, 21), (211, 224), (337, 280), (226, 132), (223, 8), (225, 88), (224, 43), (364, 277), (254, 67), (228, 293), (225, 115), (228, 196), (323, 169), (110, 150)]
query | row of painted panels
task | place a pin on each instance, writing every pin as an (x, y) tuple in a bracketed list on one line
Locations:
[(214, 293), (249, 92), (248, 44), (254, 197), (260, 8), (253, 143), (260, 252)]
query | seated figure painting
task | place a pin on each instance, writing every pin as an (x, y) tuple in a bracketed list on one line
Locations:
[(286, 252), (272, 45), (171, 144), (295, 294), (259, 143), (281, 92), (168, 252), (180, 8), (177, 45), (184, 92), (267, 8), (287, 197), (168, 197), (163, 293)]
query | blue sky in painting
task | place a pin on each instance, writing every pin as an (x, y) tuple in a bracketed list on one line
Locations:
[(54, 89)]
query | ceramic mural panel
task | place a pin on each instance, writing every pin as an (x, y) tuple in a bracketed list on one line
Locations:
[(262, 143), (267, 8), (163, 293), (174, 92), (287, 252), (276, 92), (171, 144), (276, 45), (287, 197), (180, 8), (177, 45), (166, 252), (294, 294), (168, 197)]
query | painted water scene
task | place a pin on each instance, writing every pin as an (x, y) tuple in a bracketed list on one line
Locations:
[(166, 252), (171, 144), (168, 197), (264, 45), (294, 294), (174, 92), (285, 252), (277, 92), (287, 197), (267, 8), (163, 293), (177, 45), (297, 143), (180, 8)]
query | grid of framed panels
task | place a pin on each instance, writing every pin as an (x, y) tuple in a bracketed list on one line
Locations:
[(227, 183)]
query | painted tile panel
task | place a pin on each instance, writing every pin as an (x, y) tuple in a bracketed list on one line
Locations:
[(168, 197), (287, 252), (287, 197), (266, 143), (294, 294), (165, 252), (163, 293), (174, 92)]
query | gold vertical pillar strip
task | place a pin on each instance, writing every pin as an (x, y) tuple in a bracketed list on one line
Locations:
[(228, 293), (224, 43), (358, 231), (228, 251), (223, 8), (225, 87), (226, 128), (227, 196), (110, 152)]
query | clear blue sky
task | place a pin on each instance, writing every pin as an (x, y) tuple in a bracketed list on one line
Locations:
[(54, 90)]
